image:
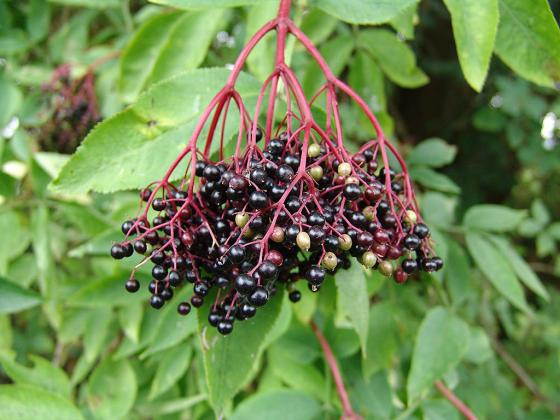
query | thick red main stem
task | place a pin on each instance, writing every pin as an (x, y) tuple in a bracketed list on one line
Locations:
[(453, 399), (335, 371)]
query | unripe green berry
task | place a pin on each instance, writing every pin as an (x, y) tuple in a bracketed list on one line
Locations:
[(352, 180), (241, 219), (369, 212), (344, 169), (316, 172), (314, 150), (278, 235), (369, 259), (345, 242), (411, 217), (303, 241), (329, 261), (386, 268)]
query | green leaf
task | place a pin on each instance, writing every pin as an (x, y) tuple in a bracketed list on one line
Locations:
[(43, 374), (205, 4), (304, 377), (170, 369), (135, 147), (278, 405), (528, 40), (524, 272), (164, 46), (438, 209), (337, 53), (94, 4), (352, 300), (493, 218), (227, 368), (111, 389), (540, 212), (554, 230), (96, 333), (38, 19), (105, 292), (261, 62), (434, 180), (442, 340), (497, 269), (371, 12), (432, 152), (317, 25), (130, 319), (458, 274), (382, 338), (394, 56), (379, 407), (16, 242), (171, 328), (439, 410), (14, 298), (366, 77), (474, 27), (480, 349), (42, 248), (26, 402)]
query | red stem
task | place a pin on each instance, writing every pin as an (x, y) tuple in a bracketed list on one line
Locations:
[(453, 399), (335, 371)]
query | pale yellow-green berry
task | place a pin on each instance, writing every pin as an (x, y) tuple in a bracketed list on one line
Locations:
[(303, 241), (369, 212), (345, 242), (278, 235), (368, 259), (344, 169), (386, 268), (411, 217), (352, 180), (241, 219), (314, 150), (329, 261), (316, 173)]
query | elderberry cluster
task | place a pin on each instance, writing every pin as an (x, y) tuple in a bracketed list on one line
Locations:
[(288, 213)]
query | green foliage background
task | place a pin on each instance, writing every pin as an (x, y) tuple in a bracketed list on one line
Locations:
[(462, 86)]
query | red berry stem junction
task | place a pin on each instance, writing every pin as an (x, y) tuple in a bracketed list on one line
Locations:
[(290, 205)]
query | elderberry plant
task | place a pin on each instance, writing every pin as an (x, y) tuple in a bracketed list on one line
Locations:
[(289, 206)]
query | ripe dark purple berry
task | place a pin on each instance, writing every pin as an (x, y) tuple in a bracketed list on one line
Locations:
[(156, 301), (244, 284), (184, 308), (132, 285), (259, 297)]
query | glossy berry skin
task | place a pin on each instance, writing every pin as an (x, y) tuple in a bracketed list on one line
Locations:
[(258, 200), (225, 327), (156, 301), (295, 296), (267, 270), (438, 263), (214, 318), (409, 266), (316, 275), (175, 278), (429, 265), (159, 272), (132, 285), (244, 284), (200, 289), (183, 308), (421, 230), (197, 301), (167, 293), (127, 226), (140, 247), (117, 252), (352, 192), (285, 173), (248, 311), (412, 242), (259, 297), (236, 254)]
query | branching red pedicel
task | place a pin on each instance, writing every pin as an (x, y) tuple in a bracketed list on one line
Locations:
[(291, 204)]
